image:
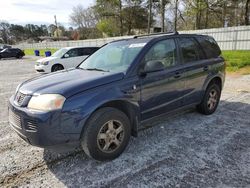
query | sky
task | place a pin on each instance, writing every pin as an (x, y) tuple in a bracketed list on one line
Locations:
[(39, 11)]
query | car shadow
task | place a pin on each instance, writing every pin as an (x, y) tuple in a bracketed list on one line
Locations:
[(185, 150)]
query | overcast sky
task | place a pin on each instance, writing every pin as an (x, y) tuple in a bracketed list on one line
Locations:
[(39, 12)]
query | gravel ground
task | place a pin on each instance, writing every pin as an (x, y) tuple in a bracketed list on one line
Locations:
[(188, 150)]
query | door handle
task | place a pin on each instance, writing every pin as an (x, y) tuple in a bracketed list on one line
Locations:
[(205, 68), (177, 75)]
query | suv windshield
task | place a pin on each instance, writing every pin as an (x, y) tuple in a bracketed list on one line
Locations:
[(60, 53), (114, 57)]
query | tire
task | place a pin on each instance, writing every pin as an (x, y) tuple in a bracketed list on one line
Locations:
[(111, 142), (19, 56), (56, 68), (210, 99)]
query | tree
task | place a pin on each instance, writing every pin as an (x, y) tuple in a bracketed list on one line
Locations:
[(110, 11), (5, 31), (247, 4), (83, 18), (134, 17)]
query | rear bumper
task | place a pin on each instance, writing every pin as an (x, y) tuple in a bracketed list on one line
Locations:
[(40, 129)]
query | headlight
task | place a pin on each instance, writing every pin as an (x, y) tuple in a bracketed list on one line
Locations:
[(46, 102), (45, 63)]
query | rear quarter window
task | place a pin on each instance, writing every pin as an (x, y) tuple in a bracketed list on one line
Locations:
[(210, 46)]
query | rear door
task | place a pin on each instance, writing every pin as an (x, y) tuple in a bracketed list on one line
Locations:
[(161, 91), (195, 69)]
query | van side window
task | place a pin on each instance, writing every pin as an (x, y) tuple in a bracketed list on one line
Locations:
[(73, 52), (212, 48), (163, 51), (191, 51)]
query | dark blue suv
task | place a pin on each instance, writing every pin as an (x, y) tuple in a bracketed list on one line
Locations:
[(109, 96)]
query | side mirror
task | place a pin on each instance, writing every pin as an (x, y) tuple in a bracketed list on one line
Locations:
[(66, 55), (153, 66)]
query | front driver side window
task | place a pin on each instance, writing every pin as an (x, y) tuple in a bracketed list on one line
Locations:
[(73, 52), (163, 51)]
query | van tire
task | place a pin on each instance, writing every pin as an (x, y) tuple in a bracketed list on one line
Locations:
[(56, 68)]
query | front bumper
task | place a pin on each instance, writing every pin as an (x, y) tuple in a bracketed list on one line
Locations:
[(42, 68), (40, 129)]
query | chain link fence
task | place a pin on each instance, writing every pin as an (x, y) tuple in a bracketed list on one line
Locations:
[(231, 38)]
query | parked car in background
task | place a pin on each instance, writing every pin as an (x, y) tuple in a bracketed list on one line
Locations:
[(109, 97), (64, 58), (11, 52)]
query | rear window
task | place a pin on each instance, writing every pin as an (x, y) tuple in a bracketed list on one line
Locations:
[(210, 46)]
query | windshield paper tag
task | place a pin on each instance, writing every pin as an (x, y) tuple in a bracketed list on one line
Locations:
[(137, 45)]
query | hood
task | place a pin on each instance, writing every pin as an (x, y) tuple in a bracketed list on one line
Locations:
[(46, 59), (68, 82)]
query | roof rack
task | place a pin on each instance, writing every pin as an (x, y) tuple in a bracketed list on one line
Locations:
[(153, 34)]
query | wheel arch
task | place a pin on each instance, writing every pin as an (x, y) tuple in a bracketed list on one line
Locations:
[(216, 78), (56, 65), (131, 110)]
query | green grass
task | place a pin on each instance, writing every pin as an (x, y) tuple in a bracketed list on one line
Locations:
[(42, 51), (237, 59)]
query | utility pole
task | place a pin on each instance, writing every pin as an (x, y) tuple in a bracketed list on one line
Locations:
[(176, 15), (149, 15), (56, 27)]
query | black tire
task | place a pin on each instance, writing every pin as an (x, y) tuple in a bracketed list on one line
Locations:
[(56, 68), (19, 56), (209, 104), (93, 146)]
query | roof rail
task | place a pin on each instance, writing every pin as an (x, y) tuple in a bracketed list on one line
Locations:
[(161, 33)]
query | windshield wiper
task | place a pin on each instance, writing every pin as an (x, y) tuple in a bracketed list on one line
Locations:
[(96, 69)]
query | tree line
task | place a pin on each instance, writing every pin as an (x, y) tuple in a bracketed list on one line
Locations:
[(129, 17)]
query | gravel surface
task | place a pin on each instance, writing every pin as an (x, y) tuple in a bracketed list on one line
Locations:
[(186, 150)]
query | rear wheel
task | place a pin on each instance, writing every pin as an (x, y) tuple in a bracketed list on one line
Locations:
[(56, 68), (210, 100), (106, 134)]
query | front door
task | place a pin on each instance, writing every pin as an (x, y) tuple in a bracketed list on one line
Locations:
[(73, 59), (161, 91)]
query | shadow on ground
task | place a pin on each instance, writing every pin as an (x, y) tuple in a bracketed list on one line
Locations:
[(189, 150)]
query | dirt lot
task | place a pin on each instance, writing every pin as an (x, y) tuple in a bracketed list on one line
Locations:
[(189, 150)]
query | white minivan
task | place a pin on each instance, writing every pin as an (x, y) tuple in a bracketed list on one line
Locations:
[(64, 58)]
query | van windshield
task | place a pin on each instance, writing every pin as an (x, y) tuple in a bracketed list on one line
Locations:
[(114, 57), (60, 53)]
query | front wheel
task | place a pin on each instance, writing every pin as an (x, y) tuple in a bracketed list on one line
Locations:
[(106, 134), (210, 100), (56, 68)]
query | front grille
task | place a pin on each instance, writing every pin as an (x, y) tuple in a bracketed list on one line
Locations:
[(31, 125), (15, 120), (19, 98)]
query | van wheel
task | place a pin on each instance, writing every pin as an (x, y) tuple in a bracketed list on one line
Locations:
[(106, 134), (210, 100), (56, 68)]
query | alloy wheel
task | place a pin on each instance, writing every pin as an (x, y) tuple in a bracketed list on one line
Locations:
[(212, 99), (110, 136)]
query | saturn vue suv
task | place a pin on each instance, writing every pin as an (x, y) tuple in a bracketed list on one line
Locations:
[(107, 98)]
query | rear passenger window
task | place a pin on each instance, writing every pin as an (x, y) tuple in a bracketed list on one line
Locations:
[(212, 49), (86, 51), (191, 50)]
